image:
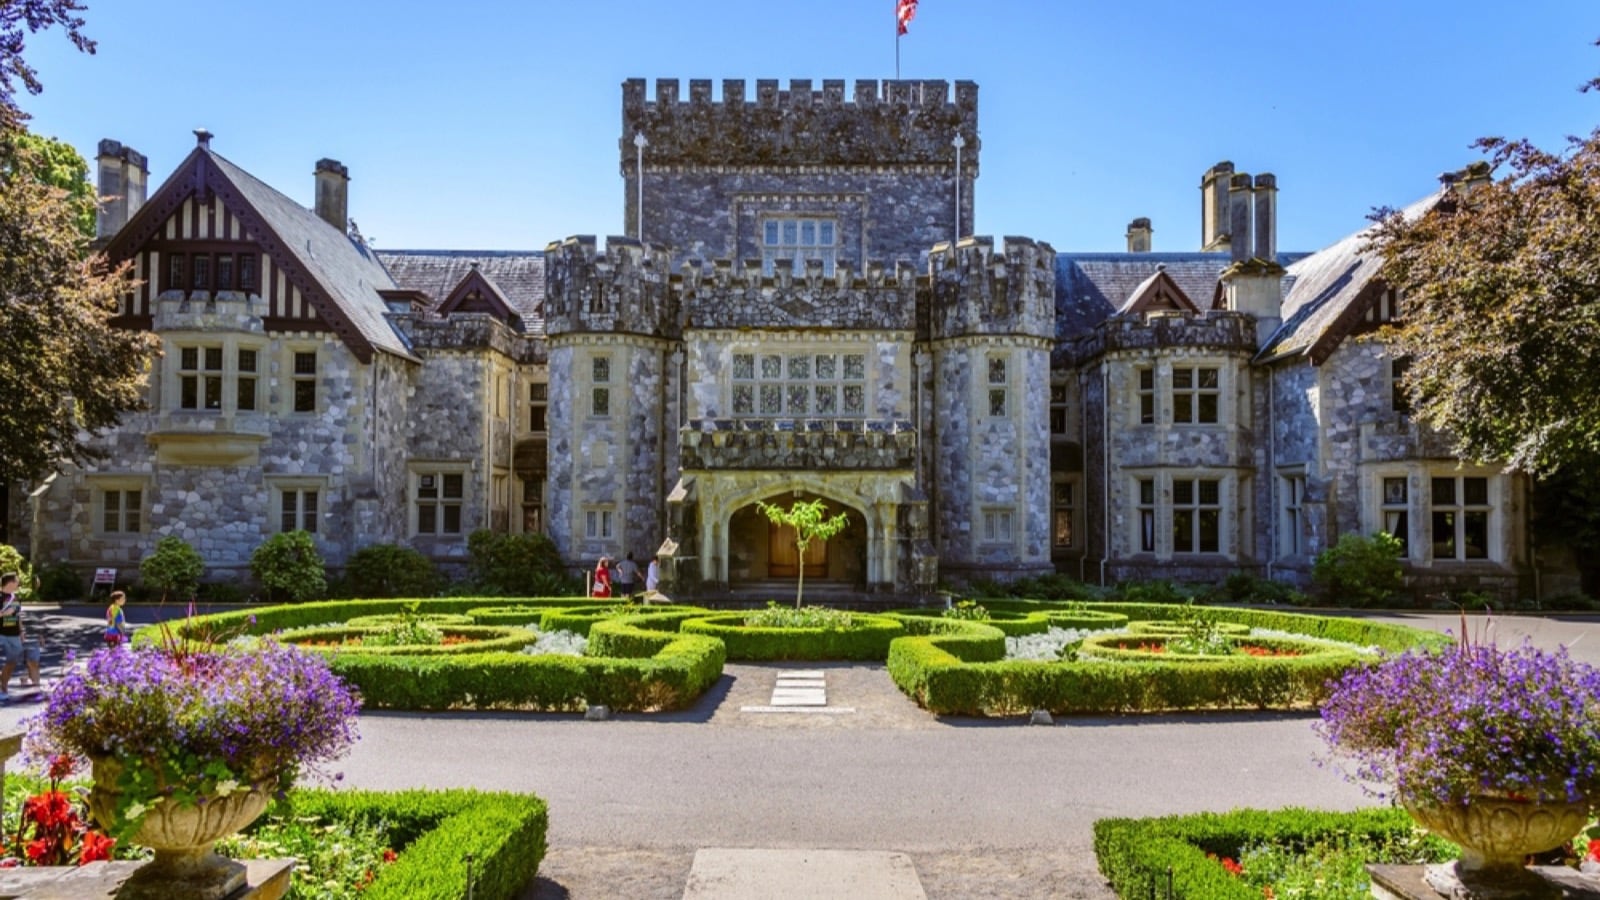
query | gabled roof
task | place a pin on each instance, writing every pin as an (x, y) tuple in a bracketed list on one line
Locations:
[(1328, 294), (1157, 292), (1092, 287), (477, 292), (340, 276), (517, 274)]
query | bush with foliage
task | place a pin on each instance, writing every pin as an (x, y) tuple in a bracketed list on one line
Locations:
[(1201, 851), (389, 570), (288, 564), (175, 568), (12, 560), (517, 565), (971, 610), (864, 637), (59, 581), (1360, 570)]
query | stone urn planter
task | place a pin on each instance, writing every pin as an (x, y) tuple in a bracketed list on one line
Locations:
[(1496, 834), (184, 867)]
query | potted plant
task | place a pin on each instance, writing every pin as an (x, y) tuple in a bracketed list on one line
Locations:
[(190, 742), (1495, 750)]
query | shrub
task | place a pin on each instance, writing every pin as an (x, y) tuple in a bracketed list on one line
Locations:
[(517, 565), (59, 581), (866, 638), (174, 567), (12, 560), (1152, 592), (389, 570), (1135, 854), (1358, 570), (971, 610), (775, 616), (288, 563), (223, 592)]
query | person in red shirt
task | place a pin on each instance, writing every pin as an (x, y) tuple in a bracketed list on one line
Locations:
[(602, 577)]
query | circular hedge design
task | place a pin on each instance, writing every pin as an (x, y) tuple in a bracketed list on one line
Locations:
[(867, 638), (471, 639), (1011, 624), (1127, 647), (1174, 629), (379, 621)]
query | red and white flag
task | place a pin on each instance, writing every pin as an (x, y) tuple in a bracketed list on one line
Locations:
[(904, 12)]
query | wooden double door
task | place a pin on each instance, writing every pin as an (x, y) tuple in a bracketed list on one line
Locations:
[(783, 560)]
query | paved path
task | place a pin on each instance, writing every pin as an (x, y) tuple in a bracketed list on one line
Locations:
[(981, 807)]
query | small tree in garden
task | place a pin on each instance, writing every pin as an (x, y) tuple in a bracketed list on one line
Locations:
[(1359, 570), (288, 562), (806, 518), (175, 568), (11, 560)]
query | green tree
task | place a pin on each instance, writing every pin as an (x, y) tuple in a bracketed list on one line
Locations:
[(56, 163), (175, 567), (288, 563), (525, 565), (1360, 570), (806, 518), (388, 570)]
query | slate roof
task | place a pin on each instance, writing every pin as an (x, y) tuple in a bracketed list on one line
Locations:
[(1323, 287), (347, 269), (517, 274)]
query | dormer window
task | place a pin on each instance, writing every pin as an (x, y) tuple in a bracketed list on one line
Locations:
[(800, 239)]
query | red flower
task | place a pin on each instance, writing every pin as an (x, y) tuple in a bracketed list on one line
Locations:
[(40, 849), (96, 847), (389, 855), (61, 765), (50, 810), (1233, 868)]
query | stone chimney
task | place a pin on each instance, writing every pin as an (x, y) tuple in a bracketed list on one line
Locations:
[(1214, 221), (1266, 195), (1241, 217), (333, 194), (1139, 232), (122, 180), (1462, 182)]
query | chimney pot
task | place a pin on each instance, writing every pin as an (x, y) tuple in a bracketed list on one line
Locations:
[(333, 193), (1139, 232), (202, 137), (121, 183), (1266, 224), (1241, 217)]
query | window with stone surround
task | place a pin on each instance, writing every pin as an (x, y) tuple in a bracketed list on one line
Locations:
[(799, 238), (438, 496), (1147, 396), (1196, 515), (1397, 390), (118, 506), (821, 384), (1063, 511), (1058, 409), (533, 506), (999, 392), (1395, 507), (303, 381), (1291, 532), (1147, 515), (600, 386), (598, 523), (997, 526), (1195, 395), (216, 376), (1459, 513), (231, 270), (538, 406), (298, 505), (500, 501)]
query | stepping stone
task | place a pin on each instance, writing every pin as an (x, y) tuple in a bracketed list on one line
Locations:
[(720, 874), (817, 710)]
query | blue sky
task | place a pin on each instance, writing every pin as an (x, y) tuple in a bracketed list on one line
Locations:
[(494, 125)]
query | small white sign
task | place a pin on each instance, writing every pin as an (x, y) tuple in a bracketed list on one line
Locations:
[(105, 576)]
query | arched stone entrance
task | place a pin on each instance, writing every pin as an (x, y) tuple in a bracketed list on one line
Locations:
[(759, 550)]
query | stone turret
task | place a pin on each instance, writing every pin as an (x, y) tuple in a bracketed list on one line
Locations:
[(978, 291), (626, 290)]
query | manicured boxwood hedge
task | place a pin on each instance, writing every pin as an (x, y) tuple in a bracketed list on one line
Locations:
[(397, 618), (484, 640), (529, 612), (435, 831), (1135, 853), (934, 671), (579, 621), (867, 639), (1129, 648), (1180, 628), (1011, 624), (650, 670)]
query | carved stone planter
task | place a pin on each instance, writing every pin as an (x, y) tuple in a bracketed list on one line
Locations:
[(1496, 834), (184, 868)]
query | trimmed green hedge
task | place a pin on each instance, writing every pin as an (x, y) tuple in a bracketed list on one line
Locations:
[(1011, 624), (952, 677), (1178, 629), (436, 830), (579, 621), (1134, 853), (1113, 647), (397, 618), (640, 671), (486, 639), (529, 612), (867, 639)]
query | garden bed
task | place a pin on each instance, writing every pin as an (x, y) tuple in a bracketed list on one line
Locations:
[(455, 639), (866, 638)]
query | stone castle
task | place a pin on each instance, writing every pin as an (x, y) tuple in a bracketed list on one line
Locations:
[(797, 310)]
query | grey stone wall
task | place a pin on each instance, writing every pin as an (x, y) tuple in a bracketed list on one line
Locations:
[(565, 439)]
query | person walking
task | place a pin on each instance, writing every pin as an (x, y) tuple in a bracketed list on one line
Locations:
[(627, 577), (652, 576), (116, 620), (602, 578), (11, 636)]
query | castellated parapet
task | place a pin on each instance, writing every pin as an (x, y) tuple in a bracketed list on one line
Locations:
[(627, 290), (1216, 330), (976, 291), (906, 122)]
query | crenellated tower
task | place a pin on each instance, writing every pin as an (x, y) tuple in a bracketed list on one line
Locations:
[(990, 329)]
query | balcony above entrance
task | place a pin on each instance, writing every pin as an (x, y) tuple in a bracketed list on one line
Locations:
[(814, 444)]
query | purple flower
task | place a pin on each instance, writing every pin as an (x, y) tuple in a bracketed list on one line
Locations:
[(1442, 728)]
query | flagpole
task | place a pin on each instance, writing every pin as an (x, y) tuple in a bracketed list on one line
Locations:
[(897, 41)]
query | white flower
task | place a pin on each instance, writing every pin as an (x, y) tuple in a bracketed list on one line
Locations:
[(224, 788)]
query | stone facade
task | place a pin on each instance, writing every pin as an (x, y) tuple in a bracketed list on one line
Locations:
[(790, 315)]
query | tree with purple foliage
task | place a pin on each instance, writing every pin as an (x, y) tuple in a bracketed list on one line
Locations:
[(18, 19)]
